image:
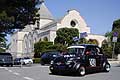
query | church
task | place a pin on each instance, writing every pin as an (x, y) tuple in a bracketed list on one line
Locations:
[(22, 41)]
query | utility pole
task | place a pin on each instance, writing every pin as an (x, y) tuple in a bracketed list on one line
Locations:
[(113, 50), (114, 40)]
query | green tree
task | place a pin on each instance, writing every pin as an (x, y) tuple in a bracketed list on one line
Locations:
[(45, 39), (83, 41), (15, 14), (2, 46), (58, 47), (92, 41), (116, 28), (2, 43), (107, 46), (107, 50), (41, 46), (65, 35), (116, 24)]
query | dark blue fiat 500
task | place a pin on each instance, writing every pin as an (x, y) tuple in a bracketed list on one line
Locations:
[(80, 59)]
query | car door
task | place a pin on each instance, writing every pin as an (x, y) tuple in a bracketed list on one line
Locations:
[(99, 56), (90, 57)]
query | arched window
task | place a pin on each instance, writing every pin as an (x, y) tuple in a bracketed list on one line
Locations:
[(73, 23), (45, 39)]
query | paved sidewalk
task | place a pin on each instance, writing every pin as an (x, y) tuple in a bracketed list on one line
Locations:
[(114, 63)]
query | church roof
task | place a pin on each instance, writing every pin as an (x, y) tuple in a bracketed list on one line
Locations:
[(60, 19), (48, 25), (44, 12)]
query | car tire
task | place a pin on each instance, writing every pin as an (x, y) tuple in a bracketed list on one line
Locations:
[(107, 67), (11, 65), (7, 65), (53, 72), (2, 65), (42, 63), (29, 62), (82, 71), (51, 69)]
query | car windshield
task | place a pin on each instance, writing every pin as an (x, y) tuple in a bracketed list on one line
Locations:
[(26, 58), (16, 59), (60, 59), (50, 53), (75, 50)]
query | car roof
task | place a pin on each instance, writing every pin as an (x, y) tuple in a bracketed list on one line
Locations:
[(5, 53), (76, 46), (51, 51), (88, 44), (81, 45)]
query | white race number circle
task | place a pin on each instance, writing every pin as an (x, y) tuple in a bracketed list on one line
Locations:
[(92, 62)]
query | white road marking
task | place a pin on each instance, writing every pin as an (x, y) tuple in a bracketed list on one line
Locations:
[(28, 78), (6, 68), (16, 73), (1, 67), (10, 70)]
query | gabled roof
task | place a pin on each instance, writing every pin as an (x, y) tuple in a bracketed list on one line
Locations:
[(44, 12)]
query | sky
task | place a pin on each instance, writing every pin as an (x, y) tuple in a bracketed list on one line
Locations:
[(98, 14)]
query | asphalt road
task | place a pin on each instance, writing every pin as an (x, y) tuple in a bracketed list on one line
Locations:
[(38, 72)]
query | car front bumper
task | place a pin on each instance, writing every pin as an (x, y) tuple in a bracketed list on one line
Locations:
[(61, 69)]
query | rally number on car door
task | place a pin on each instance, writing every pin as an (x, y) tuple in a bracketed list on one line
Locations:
[(92, 62)]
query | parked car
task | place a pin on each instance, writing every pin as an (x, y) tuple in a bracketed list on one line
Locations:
[(27, 60), (17, 61), (24, 61), (6, 59), (47, 56), (80, 59)]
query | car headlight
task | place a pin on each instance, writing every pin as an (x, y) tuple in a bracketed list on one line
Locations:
[(77, 66), (78, 57), (69, 62), (51, 62)]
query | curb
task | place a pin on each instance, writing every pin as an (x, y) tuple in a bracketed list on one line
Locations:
[(114, 63)]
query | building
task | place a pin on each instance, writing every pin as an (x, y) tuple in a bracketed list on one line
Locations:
[(22, 42)]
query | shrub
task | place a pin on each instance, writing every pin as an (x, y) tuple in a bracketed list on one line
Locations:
[(36, 60)]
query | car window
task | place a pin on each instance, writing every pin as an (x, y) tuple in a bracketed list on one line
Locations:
[(26, 58), (45, 55), (90, 50), (99, 51), (50, 54), (75, 50), (59, 59), (93, 51)]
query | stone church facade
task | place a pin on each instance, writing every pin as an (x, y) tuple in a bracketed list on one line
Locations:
[(22, 42)]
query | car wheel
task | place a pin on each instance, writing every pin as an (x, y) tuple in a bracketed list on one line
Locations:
[(42, 63), (107, 67), (82, 71), (53, 72), (2, 65), (7, 65), (11, 65), (30, 62), (51, 69)]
